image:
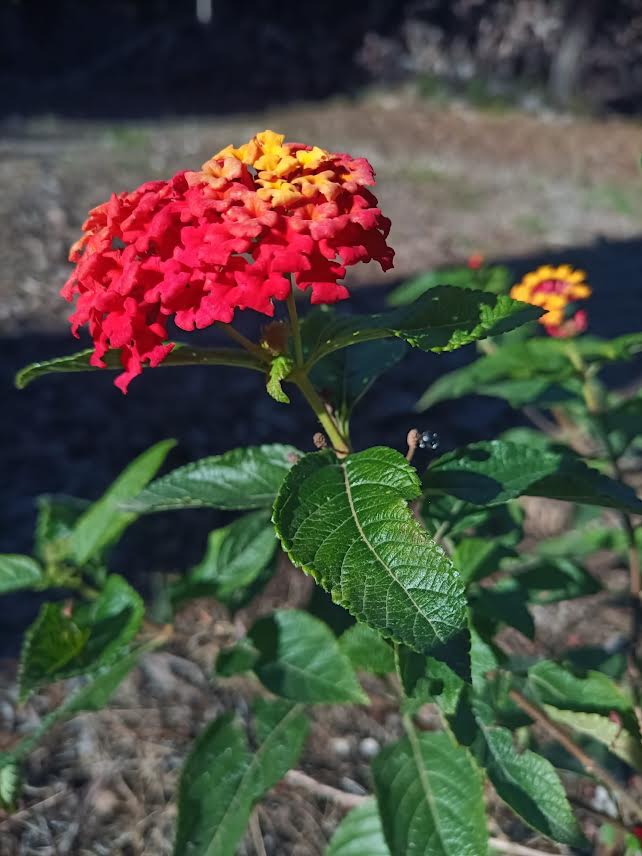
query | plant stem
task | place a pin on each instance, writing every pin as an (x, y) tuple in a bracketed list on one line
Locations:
[(564, 739), (294, 325), (339, 442), (594, 404), (243, 341)]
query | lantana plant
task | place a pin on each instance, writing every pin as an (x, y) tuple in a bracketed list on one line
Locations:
[(425, 563)]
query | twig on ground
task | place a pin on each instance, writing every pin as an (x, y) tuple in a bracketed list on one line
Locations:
[(257, 837), (502, 846), (297, 779), (344, 800)]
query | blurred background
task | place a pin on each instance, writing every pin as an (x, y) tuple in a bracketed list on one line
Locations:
[(509, 128)]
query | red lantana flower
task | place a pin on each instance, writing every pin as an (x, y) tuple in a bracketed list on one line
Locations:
[(232, 236)]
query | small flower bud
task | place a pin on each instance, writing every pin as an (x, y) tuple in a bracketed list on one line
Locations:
[(320, 440)]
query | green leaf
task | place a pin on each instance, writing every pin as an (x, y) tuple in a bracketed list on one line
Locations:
[(594, 693), (476, 558), (104, 522), (280, 369), (222, 779), (552, 580), (366, 650), (241, 479), (528, 783), (57, 516), (443, 319), (430, 797), (236, 660), (19, 572), (181, 355), (236, 555), (345, 376), (492, 472), (9, 784), (57, 646), (504, 607), (360, 833), (347, 522), (300, 659), (613, 735)]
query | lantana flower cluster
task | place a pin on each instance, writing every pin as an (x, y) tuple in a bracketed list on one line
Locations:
[(555, 289), (234, 235)]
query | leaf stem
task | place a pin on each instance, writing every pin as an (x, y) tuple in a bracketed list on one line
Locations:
[(558, 733), (339, 442), (294, 324), (243, 341)]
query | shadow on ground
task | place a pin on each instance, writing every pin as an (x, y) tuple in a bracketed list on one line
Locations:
[(73, 433)]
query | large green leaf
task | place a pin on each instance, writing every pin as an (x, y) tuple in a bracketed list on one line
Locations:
[(430, 797), (222, 778), (59, 646), (181, 355), (443, 319), (241, 479), (103, 523), (18, 572), (359, 834), (493, 472), (366, 650), (347, 522), (236, 555), (528, 783), (594, 693), (300, 659)]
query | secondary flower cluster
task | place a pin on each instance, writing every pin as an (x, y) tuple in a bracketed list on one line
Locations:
[(232, 236), (554, 289)]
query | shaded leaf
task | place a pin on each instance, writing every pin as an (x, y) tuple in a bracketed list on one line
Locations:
[(492, 472), (241, 479), (345, 376), (493, 278), (366, 650), (528, 783), (222, 779), (19, 572), (57, 515), (236, 555), (181, 355), (359, 834), (299, 658), (9, 784), (237, 659), (549, 581), (59, 646), (476, 557), (104, 521), (430, 797), (347, 523), (594, 693)]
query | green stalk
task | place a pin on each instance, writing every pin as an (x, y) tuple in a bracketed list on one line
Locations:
[(594, 399), (338, 441)]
